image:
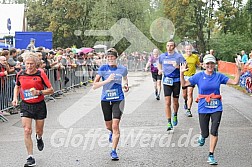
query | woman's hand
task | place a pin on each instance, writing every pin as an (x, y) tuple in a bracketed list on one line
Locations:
[(126, 88), (111, 77), (183, 67)]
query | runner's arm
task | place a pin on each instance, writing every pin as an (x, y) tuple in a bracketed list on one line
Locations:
[(47, 91), (97, 83), (235, 81), (147, 65), (160, 69), (15, 96), (125, 84)]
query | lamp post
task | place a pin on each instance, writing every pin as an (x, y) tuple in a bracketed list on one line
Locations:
[(250, 16), (209, 19)]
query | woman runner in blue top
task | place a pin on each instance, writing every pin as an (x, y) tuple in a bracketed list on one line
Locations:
[(112, 98), (209, 99)]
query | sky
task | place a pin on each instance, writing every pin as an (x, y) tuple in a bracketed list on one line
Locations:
[(244, 2), (16, 14)]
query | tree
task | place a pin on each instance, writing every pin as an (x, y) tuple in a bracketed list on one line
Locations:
[(190, 19)]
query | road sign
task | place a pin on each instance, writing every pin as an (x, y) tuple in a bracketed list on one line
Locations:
[(9, 24)]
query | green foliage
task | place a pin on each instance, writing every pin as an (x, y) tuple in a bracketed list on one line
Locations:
[(200, 21), (225, 26), (227, 45), (64, 18), (189, 18)]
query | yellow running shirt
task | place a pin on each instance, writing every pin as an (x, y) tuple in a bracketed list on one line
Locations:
[(192, 62)]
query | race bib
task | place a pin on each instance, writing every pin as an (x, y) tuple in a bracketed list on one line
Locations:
[(28, 95), (155, 65), (214, 103), (112, 94), (167, 81)]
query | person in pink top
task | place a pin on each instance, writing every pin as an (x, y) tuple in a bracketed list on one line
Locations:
[(153, 62)]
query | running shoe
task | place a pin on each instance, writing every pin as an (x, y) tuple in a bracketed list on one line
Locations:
[(40, 143), (158, 97), (201, 141), (114, 155), (174, 120), (188, 113), (211, 160), (30, 162), (169, 126), (110, 137)]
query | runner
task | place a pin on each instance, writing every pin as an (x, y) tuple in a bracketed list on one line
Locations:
[(153, 62), (209, 99), (30, 84), (112, 98), (192, 62), (169, 67)]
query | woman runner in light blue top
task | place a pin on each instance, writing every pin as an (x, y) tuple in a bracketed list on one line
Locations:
[(209, 99), (112, 98)]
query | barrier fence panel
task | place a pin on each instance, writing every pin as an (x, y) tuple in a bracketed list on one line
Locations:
[(133, 64), (61, 79), (6, 92)]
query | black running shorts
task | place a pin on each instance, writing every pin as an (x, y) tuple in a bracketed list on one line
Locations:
[(204, 120), (156, 77), (174, 89), (112, 109), (35, 111)]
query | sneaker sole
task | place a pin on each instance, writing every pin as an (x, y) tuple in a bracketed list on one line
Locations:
[(189, 115), (216, 163), (114, 159), (29, 165)]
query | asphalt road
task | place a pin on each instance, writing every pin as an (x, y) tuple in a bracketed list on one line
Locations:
[(75, 133)]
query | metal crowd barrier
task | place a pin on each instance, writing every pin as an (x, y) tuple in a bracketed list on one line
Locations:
[(6, 92), (133, 64), (61, 80)]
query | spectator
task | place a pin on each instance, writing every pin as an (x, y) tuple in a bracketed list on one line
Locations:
[(249, 63), (244, 57), (3, 74), (31, 46), (238, 57)]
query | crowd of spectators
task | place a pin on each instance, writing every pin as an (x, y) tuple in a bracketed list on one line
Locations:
[(58, 59)]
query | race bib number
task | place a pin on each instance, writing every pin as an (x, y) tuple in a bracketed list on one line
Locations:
[(167, 81), (28, 95), (112, 94), (214, 103)]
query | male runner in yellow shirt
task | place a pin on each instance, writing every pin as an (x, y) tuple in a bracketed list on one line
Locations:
[(192, 62)]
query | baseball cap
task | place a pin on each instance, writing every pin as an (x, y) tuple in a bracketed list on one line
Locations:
[(209, 58)]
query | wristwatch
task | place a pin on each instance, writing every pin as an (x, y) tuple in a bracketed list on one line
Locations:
[(40, 93)]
